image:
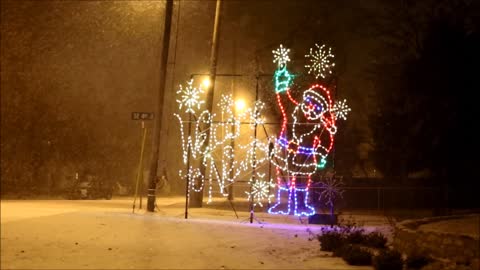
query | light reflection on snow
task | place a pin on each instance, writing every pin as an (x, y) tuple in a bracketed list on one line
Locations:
[(244, 222)]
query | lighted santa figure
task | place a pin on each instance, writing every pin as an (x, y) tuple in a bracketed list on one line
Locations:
[(304, 142)]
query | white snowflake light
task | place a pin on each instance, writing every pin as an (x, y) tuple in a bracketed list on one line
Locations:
[(332, 189), (341, 109), (280, 56), (260, 190), (321, 61), (189, 97)]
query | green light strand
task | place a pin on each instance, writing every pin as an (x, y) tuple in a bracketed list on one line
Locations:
[(283, 79)]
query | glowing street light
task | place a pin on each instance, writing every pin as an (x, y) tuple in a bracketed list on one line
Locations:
[(240, 105), (206, 83)]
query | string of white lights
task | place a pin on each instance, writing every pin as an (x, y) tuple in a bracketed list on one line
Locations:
[(218, 155), (321, 61), (260, 190), (301, 148)]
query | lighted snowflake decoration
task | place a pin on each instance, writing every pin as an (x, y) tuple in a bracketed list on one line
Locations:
[(189, 97), (331, 190), (341, 109), (321, 61), (280, 56), (260, 191)]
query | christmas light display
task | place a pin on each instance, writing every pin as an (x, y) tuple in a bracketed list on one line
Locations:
[(321, 61), (332, 189), (283, 79), (340, 109), (190, 97), (303, 148), (217, 154), (260, 190), (307, 147), (280, 56)]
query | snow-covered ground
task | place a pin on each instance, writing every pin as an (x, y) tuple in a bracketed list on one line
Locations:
[(463, 226), (59, 234)]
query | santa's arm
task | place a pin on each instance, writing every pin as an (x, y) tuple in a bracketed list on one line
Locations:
[(329, 123), (291, 98)]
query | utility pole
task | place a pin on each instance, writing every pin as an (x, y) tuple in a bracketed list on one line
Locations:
[(232, 129), (152, 183), (197, 197)]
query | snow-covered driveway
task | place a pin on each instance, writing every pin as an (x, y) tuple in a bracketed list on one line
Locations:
[(57, 234)]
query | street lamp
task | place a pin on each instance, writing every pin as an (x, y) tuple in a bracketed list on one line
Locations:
[(206, 83), (240, 105)]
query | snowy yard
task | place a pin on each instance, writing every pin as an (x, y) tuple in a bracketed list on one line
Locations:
[(57, 234), (464, 226)]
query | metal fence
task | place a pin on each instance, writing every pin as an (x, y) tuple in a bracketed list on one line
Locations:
[(373, 197), (381, 198)]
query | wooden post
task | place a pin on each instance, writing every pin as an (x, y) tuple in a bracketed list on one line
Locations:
[(152, 183)]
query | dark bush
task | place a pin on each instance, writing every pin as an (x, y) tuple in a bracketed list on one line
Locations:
[(375, 240), (334, 237), (356, 237), (417, 261), (388, 260), (338, 252), (352, 232), (355, 255), (330, 240)]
